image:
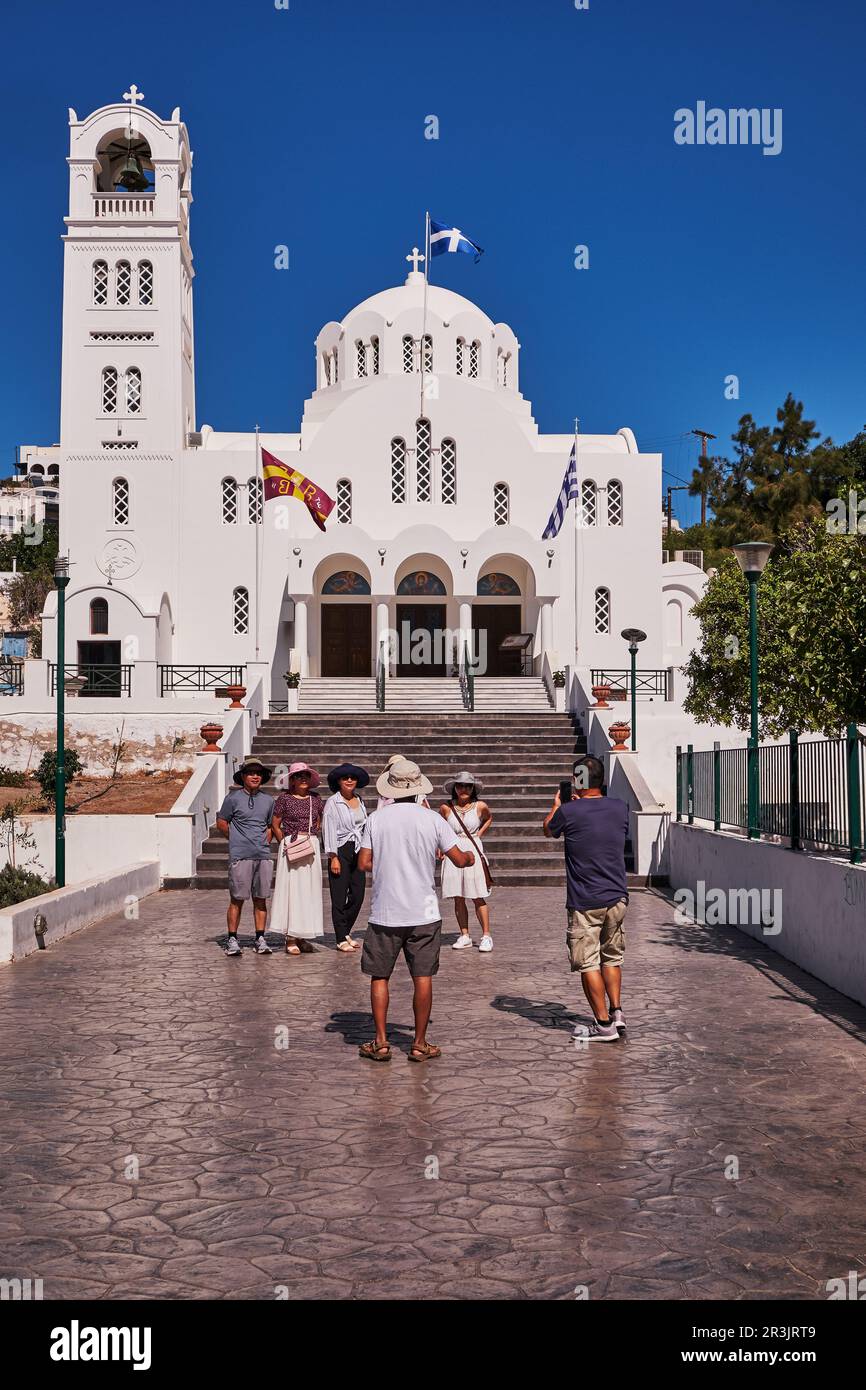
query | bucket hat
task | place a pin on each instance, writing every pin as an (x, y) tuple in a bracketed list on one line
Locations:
[(253, 765), (402, 778), (360, 774), (315, 779), (463, 776)]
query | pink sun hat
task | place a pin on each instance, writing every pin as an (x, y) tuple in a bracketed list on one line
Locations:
[(315, 779)]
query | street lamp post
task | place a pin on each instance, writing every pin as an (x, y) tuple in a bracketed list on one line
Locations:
[(752, 556), (633, 635), (61, 580)]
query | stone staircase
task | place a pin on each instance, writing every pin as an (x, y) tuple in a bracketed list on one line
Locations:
[(323, 694), (521, 758)]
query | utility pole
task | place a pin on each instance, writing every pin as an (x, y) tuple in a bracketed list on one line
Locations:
[(669, 508), (704, 435)]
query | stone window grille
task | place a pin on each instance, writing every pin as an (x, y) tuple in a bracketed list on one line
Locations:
[(361, 358), (133, 390), (474, 358), (145, 282), (374, 345), (241, 611), (123, 282), (449, 471), (229, 502), (100, 282), (408, 353), (614, 502), (427, 345), (120, 508), (398, 470), (459, 356), (602, 610), (255, 501), (344, 501), (588, 503), (500, 504), (109, 390), (423, 461)]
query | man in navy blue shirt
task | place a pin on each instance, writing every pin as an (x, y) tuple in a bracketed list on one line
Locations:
[(595, 828)]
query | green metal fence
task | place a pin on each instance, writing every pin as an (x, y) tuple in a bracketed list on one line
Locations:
[(811, 792)]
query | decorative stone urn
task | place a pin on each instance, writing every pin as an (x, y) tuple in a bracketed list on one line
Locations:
[(601, 694), (73, 686), (236, 694), (211, 733), (619, 732)]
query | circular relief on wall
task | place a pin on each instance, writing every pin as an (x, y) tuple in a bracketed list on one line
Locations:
[(119, 558)]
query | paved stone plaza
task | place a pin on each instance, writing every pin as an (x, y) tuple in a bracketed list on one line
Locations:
[(305, 1167)]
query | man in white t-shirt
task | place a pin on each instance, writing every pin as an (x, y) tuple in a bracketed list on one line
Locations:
[(399, 843)]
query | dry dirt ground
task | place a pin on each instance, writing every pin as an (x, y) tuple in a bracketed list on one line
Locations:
[(134, 794)]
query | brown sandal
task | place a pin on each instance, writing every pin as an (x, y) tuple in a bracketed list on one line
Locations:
[(345, 947), (375, 1052), (293, 950), (425, 1053)]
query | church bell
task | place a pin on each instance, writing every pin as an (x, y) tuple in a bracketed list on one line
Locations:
[(132, 176)]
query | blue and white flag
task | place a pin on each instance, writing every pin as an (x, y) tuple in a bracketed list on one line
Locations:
[(446, 238), (567, 493)]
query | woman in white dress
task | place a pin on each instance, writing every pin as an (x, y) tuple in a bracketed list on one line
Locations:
[(463, 884), (296, 907)]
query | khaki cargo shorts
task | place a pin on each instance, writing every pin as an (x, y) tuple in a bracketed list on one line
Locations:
[(596, 937)]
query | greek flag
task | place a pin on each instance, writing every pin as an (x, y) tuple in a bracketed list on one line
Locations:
[(445, 238), (567, 493)]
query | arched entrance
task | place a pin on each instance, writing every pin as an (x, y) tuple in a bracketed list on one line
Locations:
[(423, 637), (498, 614), (346, 647)]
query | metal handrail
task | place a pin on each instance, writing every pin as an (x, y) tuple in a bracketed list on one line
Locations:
[(380, 679), (175, 678), (467, 679), (647, 683), (101, 678), (12, 678)]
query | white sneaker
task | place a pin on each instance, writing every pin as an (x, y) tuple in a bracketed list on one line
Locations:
[(486, 943), (461, 943)]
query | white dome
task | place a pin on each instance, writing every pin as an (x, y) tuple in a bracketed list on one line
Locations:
[(441, 303)]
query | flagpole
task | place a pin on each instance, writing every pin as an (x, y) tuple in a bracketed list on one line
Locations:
[(576, 529), (259, 515), (424, 319)]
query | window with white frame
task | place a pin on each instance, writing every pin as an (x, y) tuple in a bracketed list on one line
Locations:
[(408, 353), (255, 501), (133, 390), (109, 390), (474, 358), (423, 461), (614, 502), (428, 352), (120, 502), (326, 368), (344, 501), (449, 471), (241, 611), (602, 610), (500, 504), (229, 502), (374, 348), (145, 282), (360, 358), (588, 503), (99, 617), (123, 282), (100, 283), (398, 470), (458, 357)]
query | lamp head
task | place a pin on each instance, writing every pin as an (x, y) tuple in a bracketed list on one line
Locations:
[(61, 567), (633, 635), (752, 556)]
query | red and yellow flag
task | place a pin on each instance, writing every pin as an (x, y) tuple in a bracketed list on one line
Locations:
[(280, 481)]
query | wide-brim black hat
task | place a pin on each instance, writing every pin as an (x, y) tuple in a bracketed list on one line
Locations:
[(347, 770), (253, 765)]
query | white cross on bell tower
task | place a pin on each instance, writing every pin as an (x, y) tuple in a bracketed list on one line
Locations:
[(415, 258), (133, 96)]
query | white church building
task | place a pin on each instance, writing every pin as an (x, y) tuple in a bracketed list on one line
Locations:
[(416, 425)]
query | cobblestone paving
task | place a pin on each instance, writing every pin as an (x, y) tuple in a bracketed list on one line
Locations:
[(305, 1167)]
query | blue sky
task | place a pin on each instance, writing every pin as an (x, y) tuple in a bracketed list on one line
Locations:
[(555, 130)]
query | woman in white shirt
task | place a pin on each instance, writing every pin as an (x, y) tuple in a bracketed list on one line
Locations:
[(342, 824)]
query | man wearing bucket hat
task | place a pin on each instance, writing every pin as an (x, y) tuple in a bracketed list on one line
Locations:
[(399, 843), (245, 817), (342, 824)]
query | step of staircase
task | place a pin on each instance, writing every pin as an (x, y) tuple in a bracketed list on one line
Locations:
[(442, 694)]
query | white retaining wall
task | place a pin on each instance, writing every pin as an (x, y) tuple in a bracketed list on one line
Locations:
[(823, 900), (67, 910)]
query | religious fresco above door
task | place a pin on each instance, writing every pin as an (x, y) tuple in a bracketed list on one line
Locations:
[(346, 582), (495, 585), (421, 584)]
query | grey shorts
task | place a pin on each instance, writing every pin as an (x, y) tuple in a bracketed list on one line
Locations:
[(250, 878), (420, 946)]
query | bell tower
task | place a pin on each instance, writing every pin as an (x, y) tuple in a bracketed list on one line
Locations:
[(128, 374)]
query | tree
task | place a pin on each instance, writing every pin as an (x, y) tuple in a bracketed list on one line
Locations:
[(33, 581), (811, 638)]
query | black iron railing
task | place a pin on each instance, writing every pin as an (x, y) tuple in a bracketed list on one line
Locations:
[(11, 678), (189, 679), (99, 679), (810, 791), (380, 678), (648, 684), (467, 680)]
